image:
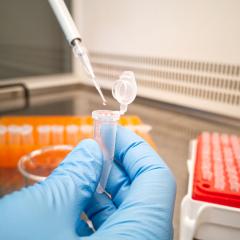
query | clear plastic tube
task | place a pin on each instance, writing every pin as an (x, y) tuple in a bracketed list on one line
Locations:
[(27, 134), (105, 129), (72, 132), (14, 134), (57, 134), (3, 134), (86, 130), (143, 128), (43, 135)]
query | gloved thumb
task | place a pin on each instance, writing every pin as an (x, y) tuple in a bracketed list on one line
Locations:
[(77, 177)]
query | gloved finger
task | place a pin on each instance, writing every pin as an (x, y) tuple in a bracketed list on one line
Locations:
[(100, 208), (118, 184), (149, 175), (134, 154), (82, 228), (76, 178)]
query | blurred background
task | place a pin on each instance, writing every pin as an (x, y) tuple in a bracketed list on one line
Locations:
[(31, 41), (185, 56)]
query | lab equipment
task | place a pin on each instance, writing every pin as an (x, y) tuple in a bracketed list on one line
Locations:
[(216, 175), (39, 164), (73, 37), (72, 132), (81, 53), (210, 210), (57, 134), (124, 90), (140, 128), (3, 134), (43, 134), (14, 134), (143, 131), (86, 130), (105, 129), (27, 134)]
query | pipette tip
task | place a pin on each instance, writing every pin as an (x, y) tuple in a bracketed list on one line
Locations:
[(101, 95), (81, 52)]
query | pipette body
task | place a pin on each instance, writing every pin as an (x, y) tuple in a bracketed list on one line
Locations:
[(73, 37)]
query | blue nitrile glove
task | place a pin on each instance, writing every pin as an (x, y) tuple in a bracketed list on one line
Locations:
[(51, 209), (143, 194), (141, 207)]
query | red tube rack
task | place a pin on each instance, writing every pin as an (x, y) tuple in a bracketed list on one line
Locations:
[(217, 169)]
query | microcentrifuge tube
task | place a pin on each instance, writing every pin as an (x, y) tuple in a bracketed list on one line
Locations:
[(57, 134), (27, 134), (86, 130), (105, 129), (43, 135), (14, 132), (3, 134), (72, 132), (143, 128), (131, 127)]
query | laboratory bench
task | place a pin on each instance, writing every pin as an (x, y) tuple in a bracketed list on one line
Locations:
[(172, 129)]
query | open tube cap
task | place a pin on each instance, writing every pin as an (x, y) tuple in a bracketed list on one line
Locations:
[(124, 90)]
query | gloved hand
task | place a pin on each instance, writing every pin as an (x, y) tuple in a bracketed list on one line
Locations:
[(51, 209), (142, 191), (141, 206)]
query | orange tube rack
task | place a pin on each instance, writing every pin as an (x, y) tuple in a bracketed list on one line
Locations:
[(12, 147)]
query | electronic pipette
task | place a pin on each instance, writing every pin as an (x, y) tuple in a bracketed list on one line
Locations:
[(73, 37)]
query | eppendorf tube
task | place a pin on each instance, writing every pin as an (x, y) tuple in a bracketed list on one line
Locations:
[(86, 131), (57, 134), (43, 135), (72, 132), (105, 129), (14, 132), (27, 134), (3, 134)]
